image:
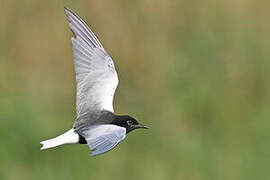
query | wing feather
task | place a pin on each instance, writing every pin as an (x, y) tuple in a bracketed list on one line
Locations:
[(95, 72), (103, 138), (81, 28)]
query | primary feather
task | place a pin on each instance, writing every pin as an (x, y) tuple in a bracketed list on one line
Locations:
[(95, 72)]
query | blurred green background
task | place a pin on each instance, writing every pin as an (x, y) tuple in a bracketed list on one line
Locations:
[(197, 72)]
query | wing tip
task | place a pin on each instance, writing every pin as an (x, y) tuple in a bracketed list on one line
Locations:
[(69, 13), (72, 16), (93, 154), (67, 10)]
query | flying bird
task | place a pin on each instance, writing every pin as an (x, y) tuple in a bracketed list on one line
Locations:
[(96, 124)]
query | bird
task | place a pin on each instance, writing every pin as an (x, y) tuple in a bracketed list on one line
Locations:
[(96, 124)]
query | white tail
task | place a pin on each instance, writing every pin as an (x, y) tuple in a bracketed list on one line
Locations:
[(69, 137)]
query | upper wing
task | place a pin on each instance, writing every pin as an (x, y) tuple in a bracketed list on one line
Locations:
[(95, 72), (103, 138)]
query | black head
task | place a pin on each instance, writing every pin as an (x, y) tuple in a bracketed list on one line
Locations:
[(128, 122)]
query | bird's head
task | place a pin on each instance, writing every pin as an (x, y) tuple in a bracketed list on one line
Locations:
[(129, 123)]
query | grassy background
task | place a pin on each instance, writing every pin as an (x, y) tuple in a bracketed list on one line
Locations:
[(197, 72)]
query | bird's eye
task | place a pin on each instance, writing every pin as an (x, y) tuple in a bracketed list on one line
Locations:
[(129, 122)]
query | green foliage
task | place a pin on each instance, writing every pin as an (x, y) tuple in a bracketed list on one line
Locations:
[(196, 72)]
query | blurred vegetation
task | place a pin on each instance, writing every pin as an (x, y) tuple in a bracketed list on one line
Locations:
[(196, 72)]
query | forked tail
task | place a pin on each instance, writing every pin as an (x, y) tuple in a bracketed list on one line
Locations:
[(69, 137)]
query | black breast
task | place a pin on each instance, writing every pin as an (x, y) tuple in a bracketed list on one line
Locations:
[(82, 140)]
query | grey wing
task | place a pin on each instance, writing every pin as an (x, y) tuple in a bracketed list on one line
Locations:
[(103, 138), (95, 72)]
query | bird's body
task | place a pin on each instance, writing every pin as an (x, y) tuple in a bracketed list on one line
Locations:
[(96, 124)]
